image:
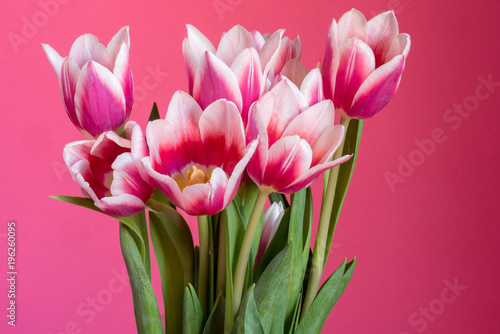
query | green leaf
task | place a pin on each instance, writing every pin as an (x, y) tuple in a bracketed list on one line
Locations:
[(137, 223), (155, 114), (271, 290), (173, 247), (307, 227), (250, 196), (146, 312), (346, 169), (215, 322), (248, 320), (314, 319), (193, 314), (296, 314)]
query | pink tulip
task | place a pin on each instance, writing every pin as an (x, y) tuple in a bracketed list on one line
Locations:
[(240, 69), (294, 147), (197, 157), (363, 63), (96, 82), (109, 170), (270, 224)]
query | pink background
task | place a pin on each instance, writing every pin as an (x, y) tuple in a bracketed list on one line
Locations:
[(436, 224)]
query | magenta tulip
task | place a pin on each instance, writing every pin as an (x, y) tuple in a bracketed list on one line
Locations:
[(96, 82), (197, 157), (363, 63), (294, 147), (109, 171), (240, 70)]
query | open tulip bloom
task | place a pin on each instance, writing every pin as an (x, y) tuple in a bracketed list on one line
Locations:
[(254, 131)]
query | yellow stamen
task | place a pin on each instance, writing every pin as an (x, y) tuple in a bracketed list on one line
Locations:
[(196, 176)]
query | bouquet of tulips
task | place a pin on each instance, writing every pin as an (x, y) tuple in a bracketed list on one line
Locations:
[(239, 150)]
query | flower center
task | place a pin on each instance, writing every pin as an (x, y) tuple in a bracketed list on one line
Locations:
[(196, 176)]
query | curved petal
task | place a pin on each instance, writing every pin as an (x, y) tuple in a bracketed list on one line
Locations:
[(54, 58), (223, 135), (352, 24), (330, 60), (269, 54), (87, 48), (327, 144), (309, 176), (288, 159), (248, 72), (166, 184), (139, 150), (256, 128), (258, 39), (377, 90), (193, 47), (233, 43), (235, 178), (381, 31), (122, 206), (312, 122), (99, 100), (312, 87), (115, 44), (70, 73), (123, 73), (280, 111), (84, 177), (128, 180), (184, 115), (160, 136), (356, 63), (400, 46), (196, 199), (76, 151), (109, 145), (215, 80)]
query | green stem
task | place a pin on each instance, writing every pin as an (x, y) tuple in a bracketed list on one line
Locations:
[(221, 260), (246, 246), (318, 260), (204, 261)]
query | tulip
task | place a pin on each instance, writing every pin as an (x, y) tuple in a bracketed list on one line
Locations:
[(197, 157), (294, 147), (96, 82), (109, 171), (270, 224), (363, 63), (240, 69)]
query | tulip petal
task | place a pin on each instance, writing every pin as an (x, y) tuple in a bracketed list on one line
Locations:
[(109, 145), (115, 44), (160, 136), (330, 60), (76, 151), (258, 39), (295, 71), (400, 46), (54, 58), (193, 47), (166, 184), (288, 159), (215, 80), (356, 63), (68, 80), (122, 206), (99, 99), (312, 87), (87, 48), (269, 53), (233, 43), (123, 73), (127, 178), (222, 134), (196, 200), (83, 175), (381, 31), (309, 176), (352, 24), (327, 144), (378, 89), (184, 115), (312, 122), (248, 73), (256, 128)]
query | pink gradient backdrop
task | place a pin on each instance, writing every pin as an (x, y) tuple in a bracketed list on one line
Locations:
[(440, 224)]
